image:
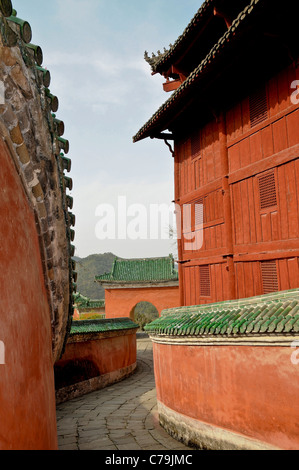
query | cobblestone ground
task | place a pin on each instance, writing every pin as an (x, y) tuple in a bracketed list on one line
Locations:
[(120, 417)]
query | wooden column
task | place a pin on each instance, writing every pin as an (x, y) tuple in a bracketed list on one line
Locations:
[(177, 192), (227, 205)]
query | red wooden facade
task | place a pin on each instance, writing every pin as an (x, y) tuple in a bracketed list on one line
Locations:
[(250, 218), (234, 124)]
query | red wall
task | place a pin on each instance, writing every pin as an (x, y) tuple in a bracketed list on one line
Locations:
[(107, 354), (248, 390), (27, 393), (121, 302)]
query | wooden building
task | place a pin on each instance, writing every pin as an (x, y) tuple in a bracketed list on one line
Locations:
[(231, 122)]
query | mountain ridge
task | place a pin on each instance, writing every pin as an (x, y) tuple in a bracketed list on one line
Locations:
[(90, 267)]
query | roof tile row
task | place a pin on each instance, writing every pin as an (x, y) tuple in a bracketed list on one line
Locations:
[(141, 270), (102, 326), (269, 315)]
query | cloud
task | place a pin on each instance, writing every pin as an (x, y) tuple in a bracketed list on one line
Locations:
[(131, 199), (94, 50), (77, 12)]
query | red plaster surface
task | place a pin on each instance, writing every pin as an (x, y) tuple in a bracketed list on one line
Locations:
[(252, 391), (107, 354), (76, 315), (27, 393), (121, 302)]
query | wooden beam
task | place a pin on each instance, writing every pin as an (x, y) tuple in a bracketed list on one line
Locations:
[(227, 20), (170, 148), (171, 85), (178, 72), (163, 136)]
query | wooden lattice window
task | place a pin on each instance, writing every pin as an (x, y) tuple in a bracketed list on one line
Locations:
[(258, 106), (267, 190), (195, 144), (205, 281), (269, 276)]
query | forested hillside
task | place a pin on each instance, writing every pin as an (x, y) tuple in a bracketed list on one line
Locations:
[(87, 269)]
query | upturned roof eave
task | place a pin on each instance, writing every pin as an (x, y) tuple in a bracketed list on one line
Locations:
[(161, 119), (166, 59)]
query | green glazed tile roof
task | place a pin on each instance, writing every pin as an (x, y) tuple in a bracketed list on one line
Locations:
[(272, 314), (141, 270), (102, 326), (84, 302), (166, 110)]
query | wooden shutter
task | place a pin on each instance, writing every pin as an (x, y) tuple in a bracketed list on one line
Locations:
[(269, 276), (205, 281), (258, 106), (267, 189)]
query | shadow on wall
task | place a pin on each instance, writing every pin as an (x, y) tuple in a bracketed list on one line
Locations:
[(74, 372), (144, 313)]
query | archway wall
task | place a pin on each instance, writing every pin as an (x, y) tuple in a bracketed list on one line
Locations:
[(120, 302)]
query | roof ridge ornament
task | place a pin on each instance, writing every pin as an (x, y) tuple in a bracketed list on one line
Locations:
[(152, 61)]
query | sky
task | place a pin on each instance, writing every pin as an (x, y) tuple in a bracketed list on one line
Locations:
[(94, 50)]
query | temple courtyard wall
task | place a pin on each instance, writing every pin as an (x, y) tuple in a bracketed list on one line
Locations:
[(227, 375), (122, 302), (98, 353)]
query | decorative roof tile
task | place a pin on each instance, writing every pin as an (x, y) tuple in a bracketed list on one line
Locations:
[(141, 270), (84, 302), (158, 60), (271, 314)]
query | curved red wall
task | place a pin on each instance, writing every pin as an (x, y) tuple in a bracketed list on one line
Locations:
[(94, 361), (108, 354), (27, 393), (248, 390)]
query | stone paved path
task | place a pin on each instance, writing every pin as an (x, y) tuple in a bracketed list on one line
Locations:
[(120, 417)]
